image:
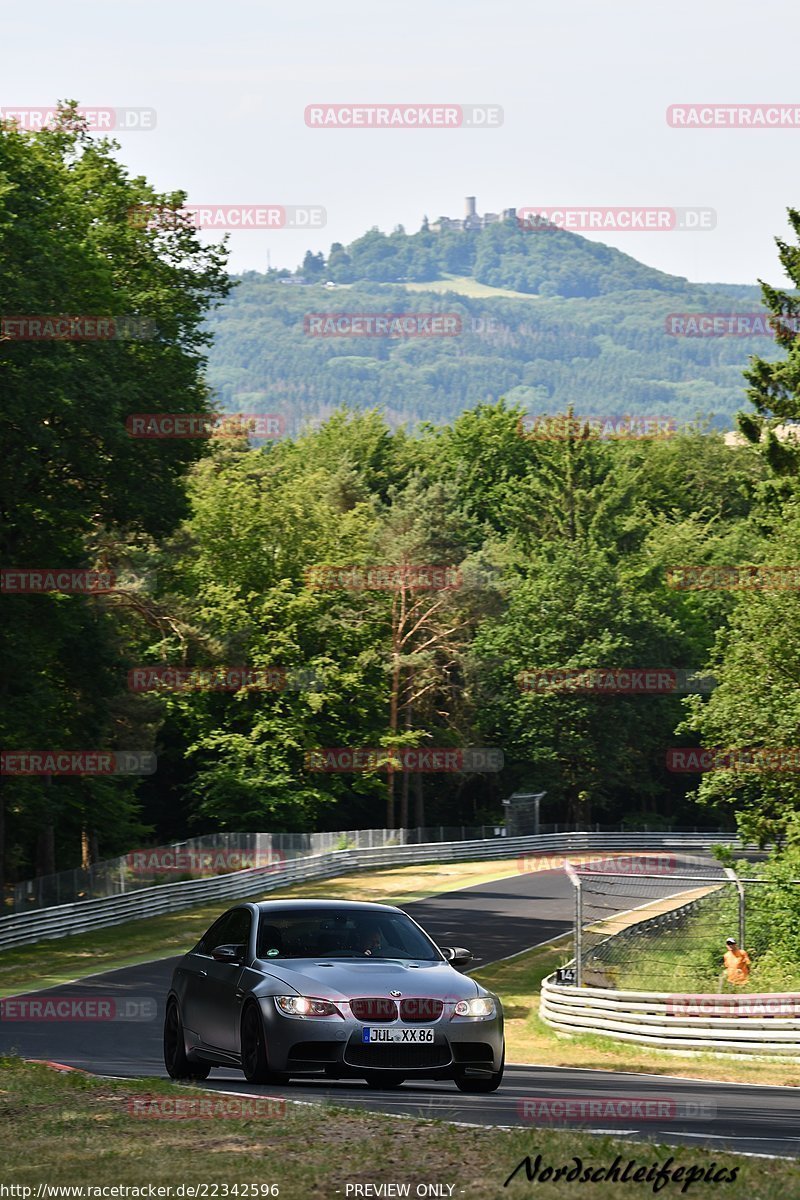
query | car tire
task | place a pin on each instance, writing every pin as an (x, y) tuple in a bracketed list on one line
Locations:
[(488, 1083), (386, 1080), (254, 1050), (178, 1064)]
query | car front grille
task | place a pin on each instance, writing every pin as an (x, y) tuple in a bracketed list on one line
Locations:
[(412, 1009), (418, 1008), (374, 1008)]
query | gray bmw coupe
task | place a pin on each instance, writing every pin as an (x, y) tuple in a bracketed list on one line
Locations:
[(334, 988)]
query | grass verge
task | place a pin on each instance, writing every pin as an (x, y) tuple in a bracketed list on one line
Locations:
[(530, 1040), (467, 286), (75, 1130)]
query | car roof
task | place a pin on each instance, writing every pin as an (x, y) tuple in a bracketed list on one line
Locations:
[(266, 906)]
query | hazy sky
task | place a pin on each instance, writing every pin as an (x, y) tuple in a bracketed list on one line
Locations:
[(584, 88)]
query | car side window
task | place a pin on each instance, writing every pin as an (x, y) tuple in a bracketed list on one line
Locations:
[(237, 932), (231, 930), (208, 940)]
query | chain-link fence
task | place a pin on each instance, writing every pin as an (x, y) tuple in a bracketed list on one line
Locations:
[(661, 923), (219, 853), (214, 854)]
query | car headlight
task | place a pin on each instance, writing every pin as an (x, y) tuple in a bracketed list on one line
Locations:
[(479, 1006), (305, 1006)]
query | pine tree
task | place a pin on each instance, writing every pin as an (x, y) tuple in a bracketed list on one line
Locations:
[(775, 386)]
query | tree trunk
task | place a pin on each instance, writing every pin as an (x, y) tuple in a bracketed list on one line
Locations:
[(582, 808), (404, 801), (394, 703), (419, 805), (46, 851), (86, 853), (404, 787)]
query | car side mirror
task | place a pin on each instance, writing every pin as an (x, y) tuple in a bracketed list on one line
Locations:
[(228, 954), (457, 956)]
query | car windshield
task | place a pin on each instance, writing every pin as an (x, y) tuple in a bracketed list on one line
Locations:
[(341, 933)]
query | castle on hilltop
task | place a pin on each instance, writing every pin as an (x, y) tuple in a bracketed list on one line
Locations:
[(472, 219)]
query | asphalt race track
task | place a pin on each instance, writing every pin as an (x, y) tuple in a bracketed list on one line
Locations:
[(493, 920)]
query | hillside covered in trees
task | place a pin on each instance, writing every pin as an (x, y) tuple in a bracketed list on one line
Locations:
[(546, 319)]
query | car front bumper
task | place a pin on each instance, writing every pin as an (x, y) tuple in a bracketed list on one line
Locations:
[(305, 1045)]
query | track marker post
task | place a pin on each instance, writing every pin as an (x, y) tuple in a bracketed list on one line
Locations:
[(574, 879)]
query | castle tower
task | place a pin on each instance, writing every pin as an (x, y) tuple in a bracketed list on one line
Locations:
[(471, 207)]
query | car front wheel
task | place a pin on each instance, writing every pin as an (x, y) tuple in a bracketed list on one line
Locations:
[(254, 1050), (175, 1058)]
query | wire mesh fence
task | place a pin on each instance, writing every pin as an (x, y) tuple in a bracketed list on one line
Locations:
[(664, 923), (220, 853), (214, 854)]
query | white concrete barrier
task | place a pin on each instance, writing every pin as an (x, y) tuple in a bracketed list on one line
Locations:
[(679, 1021)]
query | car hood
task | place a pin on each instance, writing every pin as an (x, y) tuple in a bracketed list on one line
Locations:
[(345, 979)]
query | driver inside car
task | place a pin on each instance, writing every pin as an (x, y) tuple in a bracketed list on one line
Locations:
[(369, 940)]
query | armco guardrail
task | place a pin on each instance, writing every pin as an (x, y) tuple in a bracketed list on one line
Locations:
[(150, 866), (755, 1024), (23, 928)]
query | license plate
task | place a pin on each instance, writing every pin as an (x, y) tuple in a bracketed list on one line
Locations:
[(395, 1034)]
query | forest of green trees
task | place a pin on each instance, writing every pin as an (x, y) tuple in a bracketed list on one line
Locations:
[(603, 353), (566, 551), (541, 261)]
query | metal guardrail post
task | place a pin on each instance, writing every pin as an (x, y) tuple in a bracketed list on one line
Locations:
[(734, 878)]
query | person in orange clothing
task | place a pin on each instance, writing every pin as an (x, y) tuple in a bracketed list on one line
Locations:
[(737, 963)]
